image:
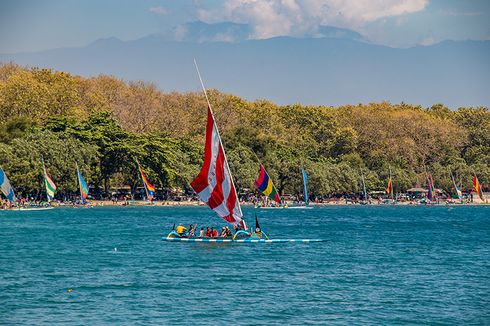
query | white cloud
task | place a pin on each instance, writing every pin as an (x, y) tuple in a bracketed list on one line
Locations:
[(270, 18), (159, 10)]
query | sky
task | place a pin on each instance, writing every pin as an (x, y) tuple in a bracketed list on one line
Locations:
[(35, 25)]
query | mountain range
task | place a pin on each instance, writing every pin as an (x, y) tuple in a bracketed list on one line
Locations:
[(333, 66)]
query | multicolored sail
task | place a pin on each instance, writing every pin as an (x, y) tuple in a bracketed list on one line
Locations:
[(150, 190), (50, 186), (305, 185), (6, 187), (477, 185), (431, 192), (265, 185), (83, 186), (214, 184)]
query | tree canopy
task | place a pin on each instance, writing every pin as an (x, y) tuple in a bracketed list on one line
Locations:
[(104, 124)]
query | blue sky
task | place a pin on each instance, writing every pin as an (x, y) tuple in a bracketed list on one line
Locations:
[(33, 25)]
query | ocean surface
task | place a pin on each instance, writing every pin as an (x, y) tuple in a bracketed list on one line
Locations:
[(380, 265)]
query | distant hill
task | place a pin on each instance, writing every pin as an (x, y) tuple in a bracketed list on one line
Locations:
[(340, 67)]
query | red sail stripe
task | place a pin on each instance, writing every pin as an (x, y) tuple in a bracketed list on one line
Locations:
[(217, 196), (261, 177), (201, 181)]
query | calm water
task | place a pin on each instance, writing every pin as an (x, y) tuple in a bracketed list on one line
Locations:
[(381, 265)]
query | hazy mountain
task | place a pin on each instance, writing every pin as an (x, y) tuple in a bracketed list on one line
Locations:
[(328, 71)]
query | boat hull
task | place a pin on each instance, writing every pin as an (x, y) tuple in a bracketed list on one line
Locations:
[(248, 240)]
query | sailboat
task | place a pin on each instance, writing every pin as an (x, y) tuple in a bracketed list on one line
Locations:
[(48, 183), (149, 188), (389, 189), (305, 192), (265, 186), (431, 191), (458, 191), (214, 185), (365, 200), (477, 186), (82, 186), (6, 187)]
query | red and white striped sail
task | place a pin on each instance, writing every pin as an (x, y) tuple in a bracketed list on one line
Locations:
[(214, 184)]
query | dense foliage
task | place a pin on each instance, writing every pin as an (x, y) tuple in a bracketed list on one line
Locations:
[(104, 124)]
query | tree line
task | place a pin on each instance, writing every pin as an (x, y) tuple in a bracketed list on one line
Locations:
[(104, 124)]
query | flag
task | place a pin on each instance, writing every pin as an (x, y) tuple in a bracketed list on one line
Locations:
[(6, 187), (214, 184), (50, 186), (150, 190), (83, 186), (265, 185)]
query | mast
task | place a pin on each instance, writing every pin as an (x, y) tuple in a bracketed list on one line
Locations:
[(305, 188), (142, 179), (219, 135), (364, 186), (391, 186)]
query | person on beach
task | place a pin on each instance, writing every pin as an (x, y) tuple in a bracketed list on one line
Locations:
[(208, 232), (201, 233), (214, 233)]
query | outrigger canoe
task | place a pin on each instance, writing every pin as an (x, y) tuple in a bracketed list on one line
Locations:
[(248, 240), (239, 237)]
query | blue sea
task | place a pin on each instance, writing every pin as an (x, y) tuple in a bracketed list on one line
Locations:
[(380, 265)]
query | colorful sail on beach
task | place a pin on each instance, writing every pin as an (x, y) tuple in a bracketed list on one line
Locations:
[(431, 192), (83, 186), (265, 185), (477, 186), (50, 186), (305, 186), (389, 188), (458, 192), (149, 188), (6, 187), (214, 184)]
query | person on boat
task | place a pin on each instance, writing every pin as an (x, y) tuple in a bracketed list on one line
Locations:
[(192, 230), (228, 232), (223, 232), (180, 229), (208, 232), (201, 233), (214, 233)]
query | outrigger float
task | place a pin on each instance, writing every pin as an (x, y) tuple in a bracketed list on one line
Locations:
[(214, 185)]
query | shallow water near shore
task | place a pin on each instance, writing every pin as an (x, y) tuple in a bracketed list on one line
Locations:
[(380, 265)]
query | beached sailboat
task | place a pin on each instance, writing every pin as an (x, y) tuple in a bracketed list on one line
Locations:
[(478, 189), (149, 188), (365, 200), (305, 193), (389, 188), (214, 185), (49, 184), (265, 186), (82, 186), (6, 187), (458, 191)]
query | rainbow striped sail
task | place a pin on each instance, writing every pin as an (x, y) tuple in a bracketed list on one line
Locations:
[(50, 186), (6, 187), (150, 190), (431, 192), (265, 185), (477, 185), (83, 186)]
